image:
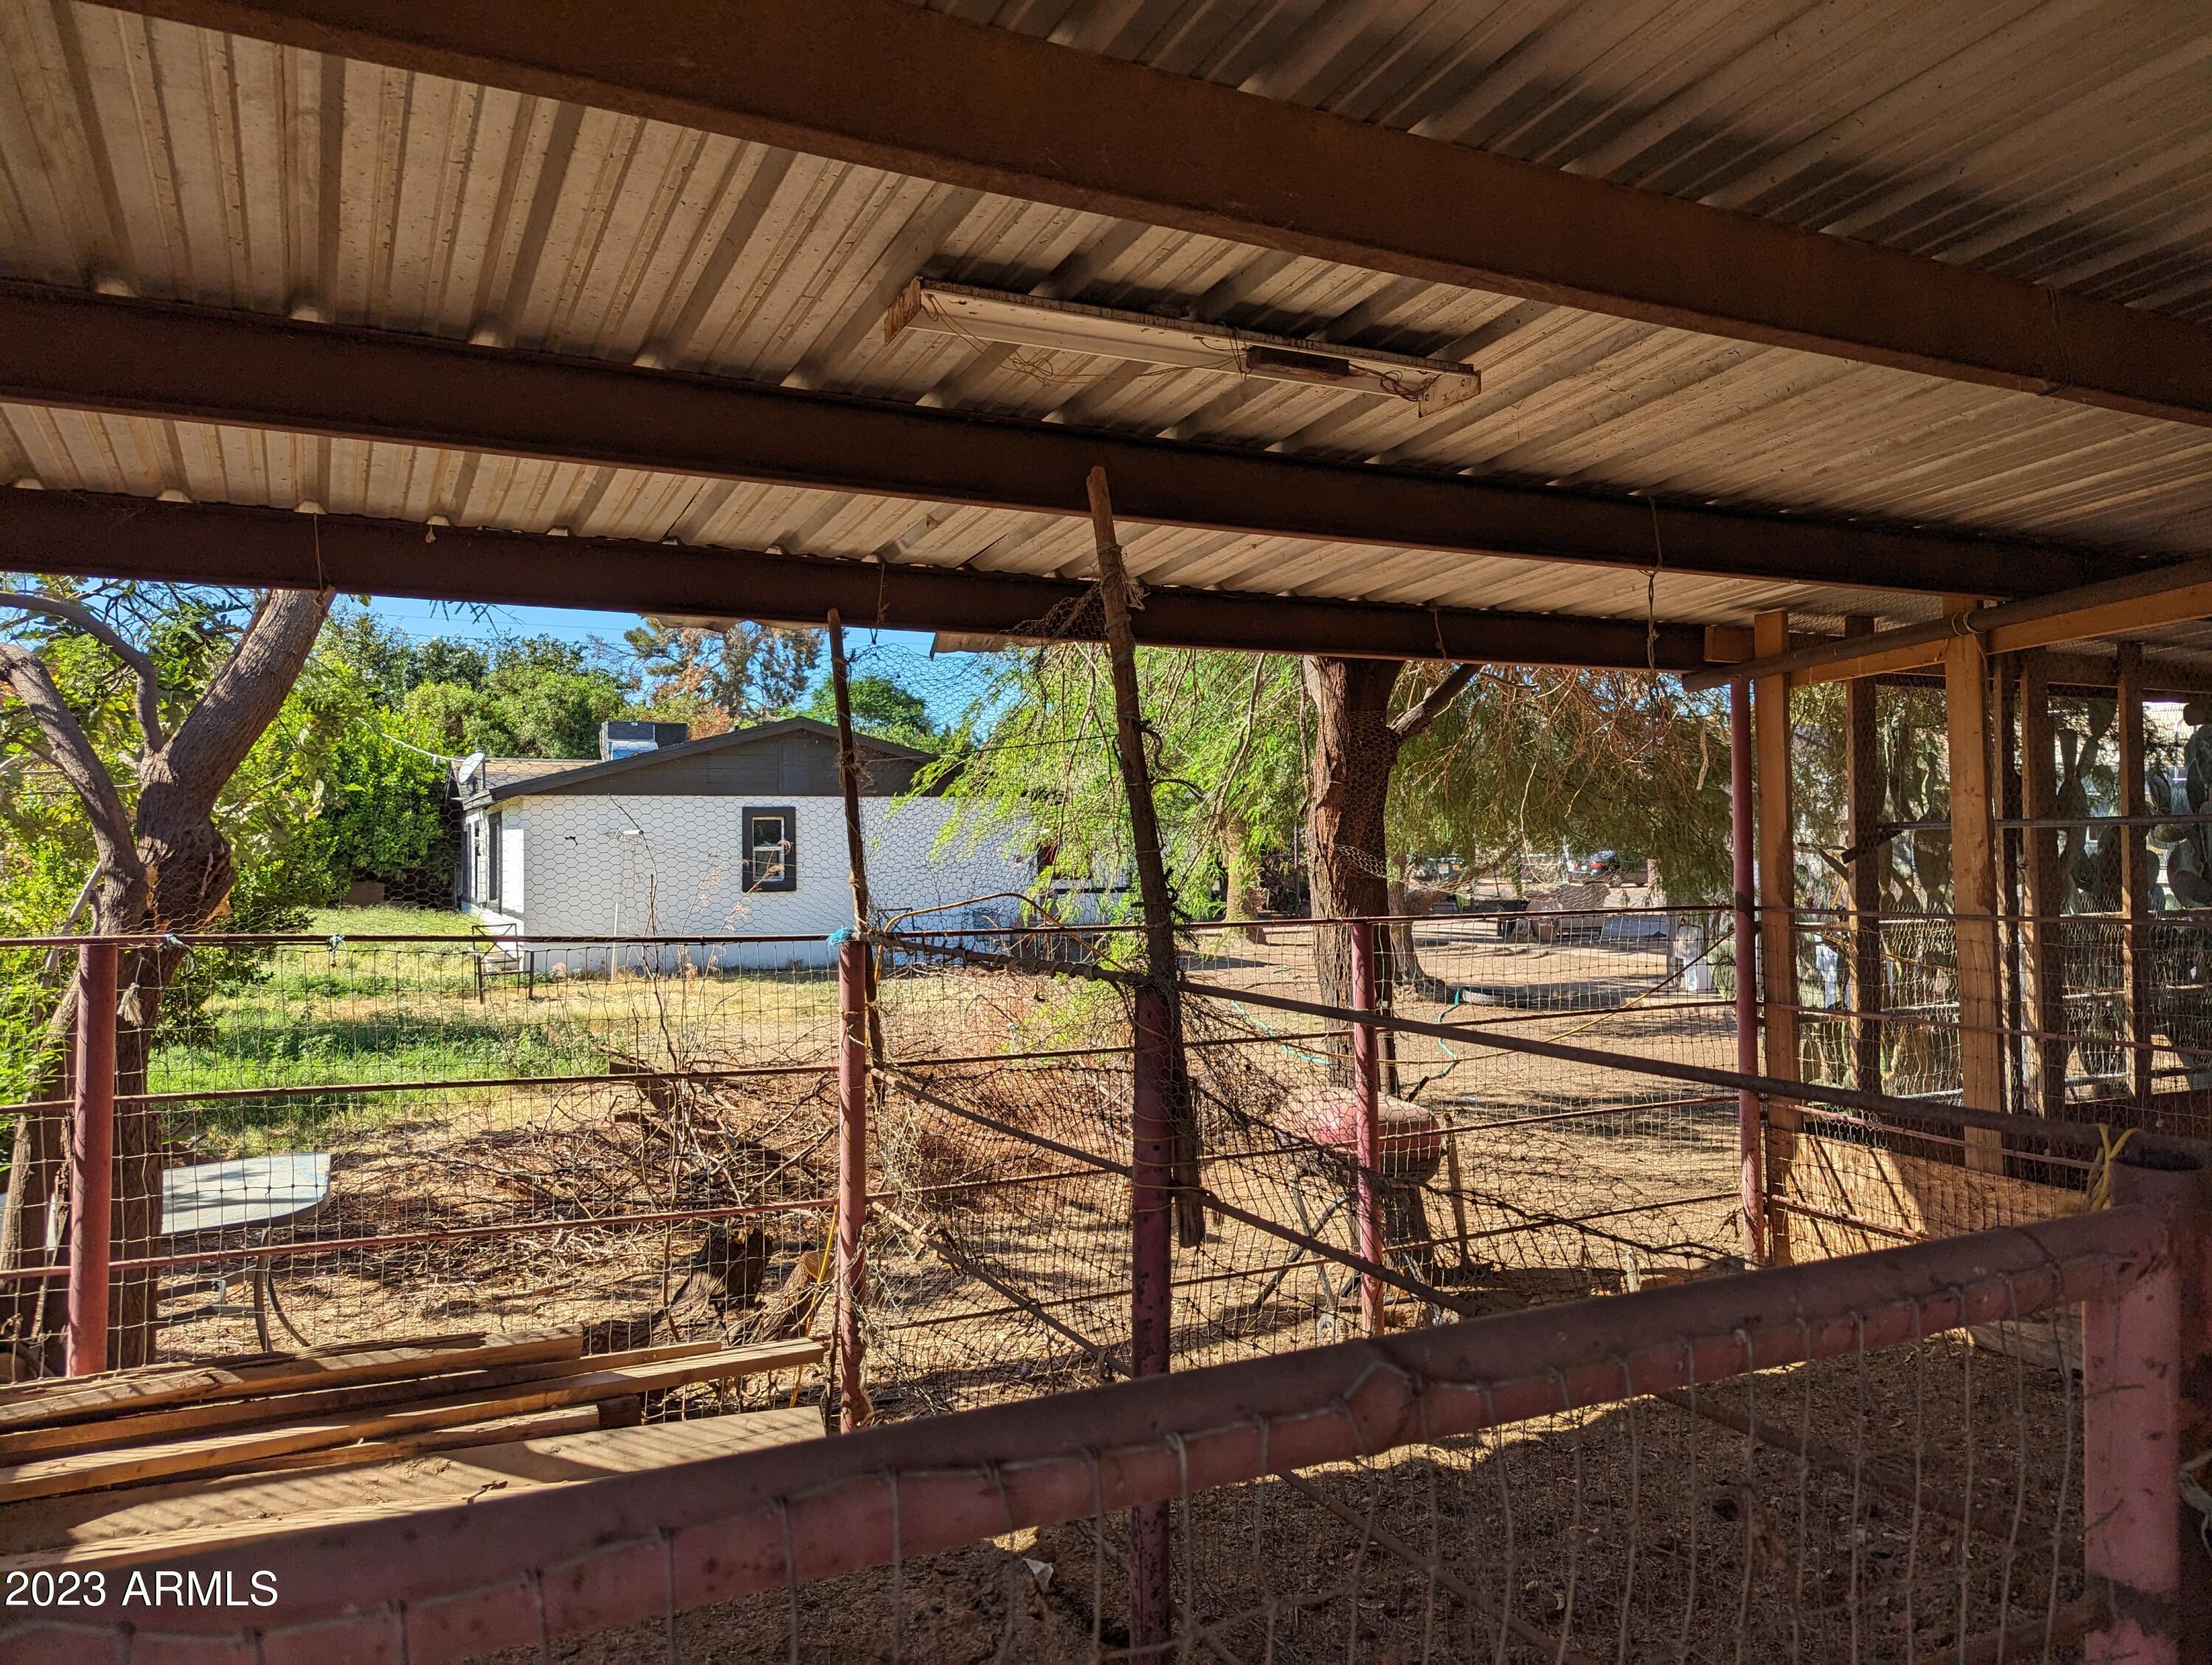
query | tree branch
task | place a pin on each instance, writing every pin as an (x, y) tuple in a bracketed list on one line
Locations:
[(74, 754), (135, 659), (246, 694), (1416, 717)]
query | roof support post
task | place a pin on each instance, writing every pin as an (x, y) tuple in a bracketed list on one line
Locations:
[(1974, 889), (1863, 790), (1777, 918), (2135, 874), (2042, 995)]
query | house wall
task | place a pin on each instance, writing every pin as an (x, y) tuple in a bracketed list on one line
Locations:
[(607, 866)]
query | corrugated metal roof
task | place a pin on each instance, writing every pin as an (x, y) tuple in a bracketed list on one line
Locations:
[(2062, 141)]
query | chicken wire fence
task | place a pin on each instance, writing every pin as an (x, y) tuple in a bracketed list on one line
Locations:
[(357, 1139), (1506, 1181), (336, 1140)]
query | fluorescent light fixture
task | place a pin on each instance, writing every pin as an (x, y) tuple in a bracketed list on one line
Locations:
[(1429, 385)]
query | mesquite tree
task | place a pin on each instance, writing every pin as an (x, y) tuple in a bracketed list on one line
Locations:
[(161, 865)]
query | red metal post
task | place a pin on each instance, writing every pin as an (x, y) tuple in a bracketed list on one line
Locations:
[(92, 1158), (1741, 838), (1367, 1081), (852, 1177), (2147, 1414), (1152, 1206)]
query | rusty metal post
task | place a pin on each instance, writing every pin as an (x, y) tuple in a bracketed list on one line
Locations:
[(2147, 1413), (1151, 1207), (1366, 1082), (853, 1408), (1742, 836), (92, 1158)]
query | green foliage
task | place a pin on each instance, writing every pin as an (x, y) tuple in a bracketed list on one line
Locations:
[(1522, 761), (738, 674), (881, 707), (1035, 751), (1531, 761), (533, 697)]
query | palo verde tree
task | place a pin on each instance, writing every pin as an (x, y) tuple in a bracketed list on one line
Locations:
[(161, 862), (1376, 760)]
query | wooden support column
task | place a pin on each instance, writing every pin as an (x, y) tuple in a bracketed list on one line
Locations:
[(1974, 889), (1778, 900), (2043, 887), (1864, 792), (2135, 873), (2005, 679)]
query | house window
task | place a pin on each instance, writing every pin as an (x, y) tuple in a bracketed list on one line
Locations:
[(492, 863), (771, 859)]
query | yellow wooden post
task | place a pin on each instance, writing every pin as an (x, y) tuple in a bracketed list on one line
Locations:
[(2134, 873), (1865, 792), (2043, 1002), (1974, 889), (1777, 899)]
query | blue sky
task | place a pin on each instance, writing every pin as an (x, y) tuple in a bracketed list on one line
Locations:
[(947, 684)]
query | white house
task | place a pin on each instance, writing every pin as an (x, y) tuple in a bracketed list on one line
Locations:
[(741, 834)]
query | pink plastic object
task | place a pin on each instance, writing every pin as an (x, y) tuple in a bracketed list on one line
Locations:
[(1413, 1142)]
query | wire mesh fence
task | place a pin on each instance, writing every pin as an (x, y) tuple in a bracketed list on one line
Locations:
[(348, 1140), (1884, 1459), (2090, 970)]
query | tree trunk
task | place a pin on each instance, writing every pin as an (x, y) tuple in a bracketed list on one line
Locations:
[(1405, 962), (176, 875), (1240, 878)]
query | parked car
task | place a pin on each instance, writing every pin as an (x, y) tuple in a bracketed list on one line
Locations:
[(1598, 864)]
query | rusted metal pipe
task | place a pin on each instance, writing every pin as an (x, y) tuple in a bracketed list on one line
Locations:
[(1367, 1084), (853, 1408), (450, 1580), (2147, 1412), (92, 1158), (1740, 838)]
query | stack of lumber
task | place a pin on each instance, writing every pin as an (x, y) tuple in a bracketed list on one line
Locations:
[(345, 1408)]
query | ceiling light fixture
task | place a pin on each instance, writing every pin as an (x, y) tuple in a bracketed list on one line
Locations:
[(1429, 385)]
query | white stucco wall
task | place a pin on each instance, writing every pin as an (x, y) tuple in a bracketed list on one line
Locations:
[(582, 865)]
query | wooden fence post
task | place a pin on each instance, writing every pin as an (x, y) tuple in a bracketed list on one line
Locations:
[(92, 1158)]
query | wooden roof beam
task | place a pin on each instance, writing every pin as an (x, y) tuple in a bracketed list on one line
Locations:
[(2150, 600), (68, 348), (96, 535), (915, 92)]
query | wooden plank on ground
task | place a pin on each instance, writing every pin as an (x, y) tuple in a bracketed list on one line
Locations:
[(165, 1368), (72, 1400), (43, 1477), (1900, 1198), (187, 1520), (111, 1433)]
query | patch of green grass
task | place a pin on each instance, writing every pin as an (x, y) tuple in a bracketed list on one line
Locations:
[(391, 919)]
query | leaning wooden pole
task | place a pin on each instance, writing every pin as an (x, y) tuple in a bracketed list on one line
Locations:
[(860, 1045), (1163, 1144), (856, 846), (1145, 847)]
